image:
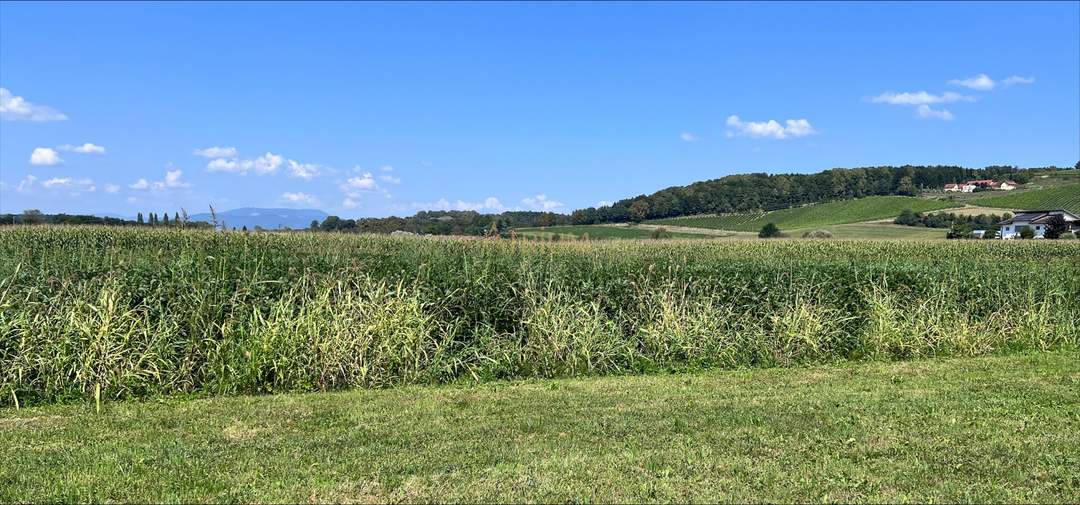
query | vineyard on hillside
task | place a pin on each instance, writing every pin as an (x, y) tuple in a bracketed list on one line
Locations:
[(1061, 197)]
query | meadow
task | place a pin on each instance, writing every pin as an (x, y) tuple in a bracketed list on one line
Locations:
[(108, 313), (813, 216)]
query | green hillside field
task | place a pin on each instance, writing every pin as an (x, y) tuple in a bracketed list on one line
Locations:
[(1061, 197), (814, 216)]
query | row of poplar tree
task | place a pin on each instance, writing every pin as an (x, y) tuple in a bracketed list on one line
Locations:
[(164, 220)]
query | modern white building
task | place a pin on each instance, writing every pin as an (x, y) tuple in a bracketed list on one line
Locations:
[(1037, 221)]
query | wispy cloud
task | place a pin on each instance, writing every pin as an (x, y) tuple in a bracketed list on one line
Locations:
[(216, 152), (489, 204), (926, 112), (45, 156), (920, 98), (71, 184), (792, 128), (305, 171), (922, 102), (172, 181), (26, 184), (688, 137), (1016, 79), (262, 165), (981, 82), (86, 148), (299, 198), (390, 179), (17, 108), (541, 202)]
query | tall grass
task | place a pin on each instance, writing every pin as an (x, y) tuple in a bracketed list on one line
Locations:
[(135, 313)]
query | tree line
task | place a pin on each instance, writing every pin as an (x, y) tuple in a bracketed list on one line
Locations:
[(35, 216), (760, 192), (450, 222)]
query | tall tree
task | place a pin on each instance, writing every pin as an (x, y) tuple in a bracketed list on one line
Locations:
[(639, 210), (139, 219)]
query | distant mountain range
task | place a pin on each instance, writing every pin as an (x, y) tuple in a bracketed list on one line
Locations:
[(264, 218)]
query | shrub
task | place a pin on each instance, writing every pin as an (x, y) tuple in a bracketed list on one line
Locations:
[(770, 230), (818, 234), (660, 233)]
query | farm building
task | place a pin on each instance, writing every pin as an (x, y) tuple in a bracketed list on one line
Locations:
[(962, 188), (1036, 220), (992, 184)]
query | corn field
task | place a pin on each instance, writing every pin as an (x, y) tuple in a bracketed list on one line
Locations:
[(126, 313)]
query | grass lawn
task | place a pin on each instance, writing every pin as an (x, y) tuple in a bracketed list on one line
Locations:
[(960, 430), (815, 216)]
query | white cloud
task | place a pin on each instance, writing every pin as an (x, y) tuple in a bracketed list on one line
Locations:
[(926, 112), (1016, 79), (112, 189), (390, 179), (26, 184), (604, 203), (171, 181), (349, 203), (45, 156), (386, 168), (490, 204), (791, 128), (981, 82), (688, 137), (86, 148), (216, 152), (305, 171), (303, 198), (16, 108), (541, 202), (75, 185), (265, 164), (919, 98), (363, 182)]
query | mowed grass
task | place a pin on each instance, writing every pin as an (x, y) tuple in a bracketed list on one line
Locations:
[(995, 429), (814, 216), (598, 232), (1061, 197)]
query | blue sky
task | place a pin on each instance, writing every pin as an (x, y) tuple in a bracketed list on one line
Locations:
[(366, 109)]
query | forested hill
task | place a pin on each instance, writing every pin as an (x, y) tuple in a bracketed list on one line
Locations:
[(763, 192)]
